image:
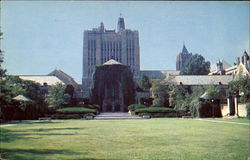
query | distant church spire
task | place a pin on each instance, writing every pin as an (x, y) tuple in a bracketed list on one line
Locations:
[(102, 27), (121, 24), (184, 49)]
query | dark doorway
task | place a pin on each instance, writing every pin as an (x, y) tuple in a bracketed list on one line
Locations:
[(109, 108), (117, 108)]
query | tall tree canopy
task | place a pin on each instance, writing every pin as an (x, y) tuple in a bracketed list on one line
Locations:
[(57, 96), (160, 93), (2, 70), (196, 65), (145, 82), (242, 87)]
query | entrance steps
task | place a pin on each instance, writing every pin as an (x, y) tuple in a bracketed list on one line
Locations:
[(116, 116)]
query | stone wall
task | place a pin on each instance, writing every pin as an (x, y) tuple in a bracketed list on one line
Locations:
[(241, 107)]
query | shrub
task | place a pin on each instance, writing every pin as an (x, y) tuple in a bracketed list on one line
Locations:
[(75, 110), (133, 107), (146, 101), (92, 106), (89, 114), (164, 115), (67, 116), (144, 114), (248, 110), (154, 110), (181, 113)]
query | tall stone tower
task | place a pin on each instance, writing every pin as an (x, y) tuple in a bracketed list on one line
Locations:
[(182, 58), (101, 45)]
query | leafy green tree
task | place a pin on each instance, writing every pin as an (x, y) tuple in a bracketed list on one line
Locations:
[(2, 70), (160, 93), (213, 92), (12, 86), (57, 96), (177, 97), (70, 91), (241, 86), (196, 65), (145, 82)]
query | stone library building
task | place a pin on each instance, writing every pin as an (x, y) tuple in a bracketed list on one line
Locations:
[(100, 45)]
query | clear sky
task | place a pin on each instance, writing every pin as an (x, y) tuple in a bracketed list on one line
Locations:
[(40, 36)]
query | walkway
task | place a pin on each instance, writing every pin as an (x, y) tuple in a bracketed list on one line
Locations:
[(216, 121), (116, 116)]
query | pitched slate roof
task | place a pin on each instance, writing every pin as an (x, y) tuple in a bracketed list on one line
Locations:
[(201, 79), (50, 80), (63, 77)]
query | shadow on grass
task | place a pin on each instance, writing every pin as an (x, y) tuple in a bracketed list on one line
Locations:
[(54, 129), (9, 135), (42, 134), (27, 122), (13, 135), (46, 122), (32, 154), (95, 159)]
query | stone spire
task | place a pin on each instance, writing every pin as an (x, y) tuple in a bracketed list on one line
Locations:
[(184, 49), (121, 24), (102, 27)]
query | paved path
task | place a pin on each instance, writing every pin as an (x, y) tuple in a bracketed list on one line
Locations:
[(116, 116), (216, 121)]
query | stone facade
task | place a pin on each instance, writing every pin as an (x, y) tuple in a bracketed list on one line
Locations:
[(113, 87), (241, 67), (101, 45), (182, 58)]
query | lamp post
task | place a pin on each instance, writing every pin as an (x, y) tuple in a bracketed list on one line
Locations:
[(213, 107)]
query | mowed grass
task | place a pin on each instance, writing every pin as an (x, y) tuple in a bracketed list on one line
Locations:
[(238, 120), (154, 139)]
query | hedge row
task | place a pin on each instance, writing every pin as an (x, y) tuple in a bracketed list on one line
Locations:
[(155, 110), (92, 106), (159, 115), (133, 107), (75, 110), (71, 116)]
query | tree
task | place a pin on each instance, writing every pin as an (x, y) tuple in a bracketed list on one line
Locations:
[(196, 65), (57, 96), (2, 70), (241, 86), (160, 93), (177, 97), (145, 82), (70, 91), (213, 92), (12, 86)]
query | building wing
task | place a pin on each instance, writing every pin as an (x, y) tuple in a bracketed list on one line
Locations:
[(196, 80), (49, 80)]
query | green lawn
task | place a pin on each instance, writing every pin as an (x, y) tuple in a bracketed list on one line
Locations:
[(154, 139), (239, 120)]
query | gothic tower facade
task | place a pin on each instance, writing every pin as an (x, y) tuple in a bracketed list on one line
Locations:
[(101, 45), (182, 58)]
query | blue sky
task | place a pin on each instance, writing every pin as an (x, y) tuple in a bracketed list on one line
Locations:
[(40, 36)]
